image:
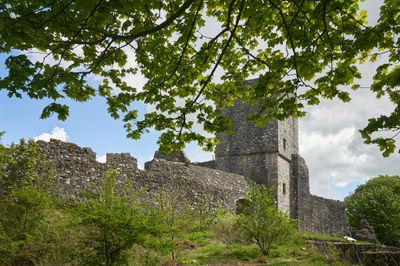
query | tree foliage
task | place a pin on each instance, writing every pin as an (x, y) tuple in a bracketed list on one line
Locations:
[(378, 201), (260, 220), (302, 51)]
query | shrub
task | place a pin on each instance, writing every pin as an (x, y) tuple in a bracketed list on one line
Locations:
[(22, 165), (114, 224), (29, 234), (260, 220), (22, 218)]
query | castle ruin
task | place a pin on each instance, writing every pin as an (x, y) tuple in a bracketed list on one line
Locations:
[(270, 155), (267, 155)]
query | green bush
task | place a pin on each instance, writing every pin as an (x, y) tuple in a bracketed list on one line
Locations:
[(22, 219), (18, 164), (261, 221), (113, 223), (22, 165)]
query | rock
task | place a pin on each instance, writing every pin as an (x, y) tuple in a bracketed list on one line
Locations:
[(174, 156), (366, 232)]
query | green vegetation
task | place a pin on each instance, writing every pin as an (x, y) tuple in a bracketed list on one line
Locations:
[(378, 201), (114, 224), (111, 226), (260, 221), (33, 230), (192, 72)]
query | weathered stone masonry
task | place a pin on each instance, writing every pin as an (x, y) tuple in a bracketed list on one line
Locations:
[(77, 169), (270, 156), (267, 155)]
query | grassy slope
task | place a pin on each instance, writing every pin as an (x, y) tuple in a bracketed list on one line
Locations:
[(208, 250)]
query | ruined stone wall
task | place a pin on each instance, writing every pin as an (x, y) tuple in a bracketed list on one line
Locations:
[(259, 167), (299, 187), (262, 154), (316, 214), (247, 138), (248, 150), (269, 156), (76, 169), (324, 216), (208, 164)]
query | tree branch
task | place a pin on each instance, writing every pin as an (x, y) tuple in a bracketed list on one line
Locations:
[(228, 42)]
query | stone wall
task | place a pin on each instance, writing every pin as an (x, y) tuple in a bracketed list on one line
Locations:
[(208, 164), (324, 216), (247, 138), (249, 150), (262, 154), (259, 167), (283, 186), (316, 214), (288, 141), (269, 156), (299, 187), (77, 169)]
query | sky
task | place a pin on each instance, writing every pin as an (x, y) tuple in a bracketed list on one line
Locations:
[(337, 158)]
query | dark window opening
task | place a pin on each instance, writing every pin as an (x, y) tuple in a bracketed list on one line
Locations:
[(284, 144), (284, 189)]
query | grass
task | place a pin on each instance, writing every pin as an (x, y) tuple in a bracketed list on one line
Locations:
[(209, 250), (323, 237), (220, 253), (330, 238)]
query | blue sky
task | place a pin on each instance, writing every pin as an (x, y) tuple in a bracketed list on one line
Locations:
[(88, 125)]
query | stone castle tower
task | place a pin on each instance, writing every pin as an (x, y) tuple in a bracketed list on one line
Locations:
[(262, 154), (270, 156)]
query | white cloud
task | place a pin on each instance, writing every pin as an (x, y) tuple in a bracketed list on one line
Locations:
[(330, 160), (333, 148), (102, 158), (56, 133)]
